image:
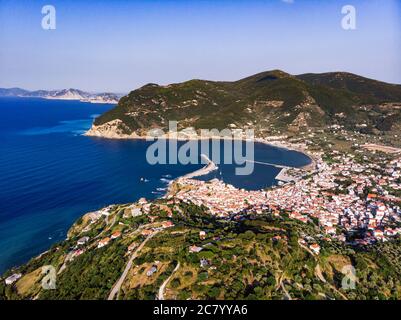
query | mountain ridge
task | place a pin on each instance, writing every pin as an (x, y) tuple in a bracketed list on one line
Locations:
[(270, 102)]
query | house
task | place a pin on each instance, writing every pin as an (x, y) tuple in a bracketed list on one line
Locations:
[(315, 248), (94, 216), (82, 241), (11, 279), (146, 232), (136, 212), (103, 242), (105, 212), (146, 208), (78, 252), (116, 235), (167, 224), (303, 219), (202, 235), (195, 249), (169, 212), (330, 229), (302, 241), (276, 238), (151, 271), (372, 223), (378, 233)]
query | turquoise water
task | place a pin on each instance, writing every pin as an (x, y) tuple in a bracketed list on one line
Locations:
[(50, 174)]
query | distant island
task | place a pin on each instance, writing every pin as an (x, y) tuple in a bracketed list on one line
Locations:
[(64, 94)]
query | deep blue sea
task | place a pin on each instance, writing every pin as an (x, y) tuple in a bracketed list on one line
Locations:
[(50, 174)]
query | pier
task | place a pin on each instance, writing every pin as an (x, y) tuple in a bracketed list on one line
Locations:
[(270, 164), (209, 167), (282, 175)]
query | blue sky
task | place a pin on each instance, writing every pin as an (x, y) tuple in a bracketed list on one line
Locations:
[(120, 45)]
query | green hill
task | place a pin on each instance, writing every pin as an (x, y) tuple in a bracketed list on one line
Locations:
[(269, 102), (257, 258)]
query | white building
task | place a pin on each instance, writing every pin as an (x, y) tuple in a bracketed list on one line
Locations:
[(11, 279)]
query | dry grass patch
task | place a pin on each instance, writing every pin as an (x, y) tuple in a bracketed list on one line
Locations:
[(336, 263), (29, 283), (137, 276)]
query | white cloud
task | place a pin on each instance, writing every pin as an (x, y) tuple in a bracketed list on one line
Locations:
[(288, 1)]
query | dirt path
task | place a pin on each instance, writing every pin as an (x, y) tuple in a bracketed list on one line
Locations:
[(281, 285), (319, 274), (285, 291), (117, 286), (160, 296)]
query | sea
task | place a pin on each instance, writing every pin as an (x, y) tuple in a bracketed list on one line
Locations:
[(50, 174)]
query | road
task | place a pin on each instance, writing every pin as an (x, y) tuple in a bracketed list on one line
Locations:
[(160, 296), (280, 284), (285, 291), (319, 274), (318, 270), (118, 284)]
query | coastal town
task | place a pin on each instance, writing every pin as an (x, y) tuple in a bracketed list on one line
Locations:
[(346, 197)]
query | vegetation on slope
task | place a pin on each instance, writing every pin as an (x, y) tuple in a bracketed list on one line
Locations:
[(269, 102), (261, 257)]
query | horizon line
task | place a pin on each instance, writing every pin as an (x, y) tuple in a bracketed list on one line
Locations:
[(191, 79)]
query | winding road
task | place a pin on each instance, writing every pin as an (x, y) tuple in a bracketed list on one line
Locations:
[(319, 274), (160, 295), (118, 284), (285, 291)]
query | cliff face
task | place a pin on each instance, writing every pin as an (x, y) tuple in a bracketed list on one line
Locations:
[(114, 129), (270, 102)]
